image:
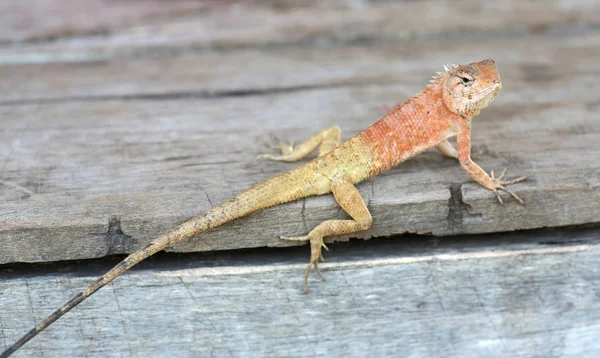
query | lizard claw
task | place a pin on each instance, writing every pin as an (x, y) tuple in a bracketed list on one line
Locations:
[(268, 156), (275, 144), (499, 184), (316, 254), (498, 197)]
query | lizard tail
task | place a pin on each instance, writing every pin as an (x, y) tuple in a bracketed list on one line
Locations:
[(260, 196), (184, 231)]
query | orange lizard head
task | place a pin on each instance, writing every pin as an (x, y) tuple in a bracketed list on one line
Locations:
[(470, 88)]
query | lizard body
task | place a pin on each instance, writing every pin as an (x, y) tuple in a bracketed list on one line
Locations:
[(442, 110)]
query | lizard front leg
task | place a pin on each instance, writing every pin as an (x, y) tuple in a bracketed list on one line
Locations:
[(327, 139), (349, 199), (479, 175)]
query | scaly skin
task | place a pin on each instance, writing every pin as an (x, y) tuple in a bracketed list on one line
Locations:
[(442, 110)]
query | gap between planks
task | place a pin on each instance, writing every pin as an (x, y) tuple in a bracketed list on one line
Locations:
[(236, 270)]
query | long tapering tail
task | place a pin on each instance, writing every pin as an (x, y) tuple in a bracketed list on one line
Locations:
[(186, 230), (276, 190)]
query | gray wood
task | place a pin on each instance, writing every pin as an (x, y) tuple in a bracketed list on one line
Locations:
[(135, 29), (263, 71), (517, 295), (47, 20)]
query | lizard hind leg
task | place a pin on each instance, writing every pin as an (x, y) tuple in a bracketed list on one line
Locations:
[(326, 140), (348, 197), (447, 149)]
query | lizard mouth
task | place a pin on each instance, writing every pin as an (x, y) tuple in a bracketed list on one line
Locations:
[(496, 87), (487, 94)]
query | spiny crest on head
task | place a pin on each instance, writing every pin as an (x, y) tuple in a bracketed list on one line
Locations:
[(449, 67), (439, 75)]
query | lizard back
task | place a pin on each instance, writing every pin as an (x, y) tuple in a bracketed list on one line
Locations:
[(411, 128)]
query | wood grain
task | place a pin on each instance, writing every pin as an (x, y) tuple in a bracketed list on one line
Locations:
[(46, 20), (151, 28), (255, 71)]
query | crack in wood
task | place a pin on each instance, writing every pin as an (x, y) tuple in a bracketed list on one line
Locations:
[(28, 193), (198, 94), (455, 208), (118, 242), (121, 317)]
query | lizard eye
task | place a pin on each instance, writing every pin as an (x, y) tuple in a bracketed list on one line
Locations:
[(465, 80)]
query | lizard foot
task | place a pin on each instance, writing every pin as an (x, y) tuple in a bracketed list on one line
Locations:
[(499, 184), (316, 254), (276, 144)]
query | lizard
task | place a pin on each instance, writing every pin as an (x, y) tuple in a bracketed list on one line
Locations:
[(444, 109)]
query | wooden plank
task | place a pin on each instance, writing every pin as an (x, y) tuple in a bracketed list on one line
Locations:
[(253, 71), (85, 173), (517, 295), (70, 169), (170, 28), (45, 20)]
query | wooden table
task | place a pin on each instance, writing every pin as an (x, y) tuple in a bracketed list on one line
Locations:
[(120, 120)]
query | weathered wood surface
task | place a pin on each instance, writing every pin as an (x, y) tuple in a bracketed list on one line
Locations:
[(535, 296), (46, 20), (144, 28), (103, 150)]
